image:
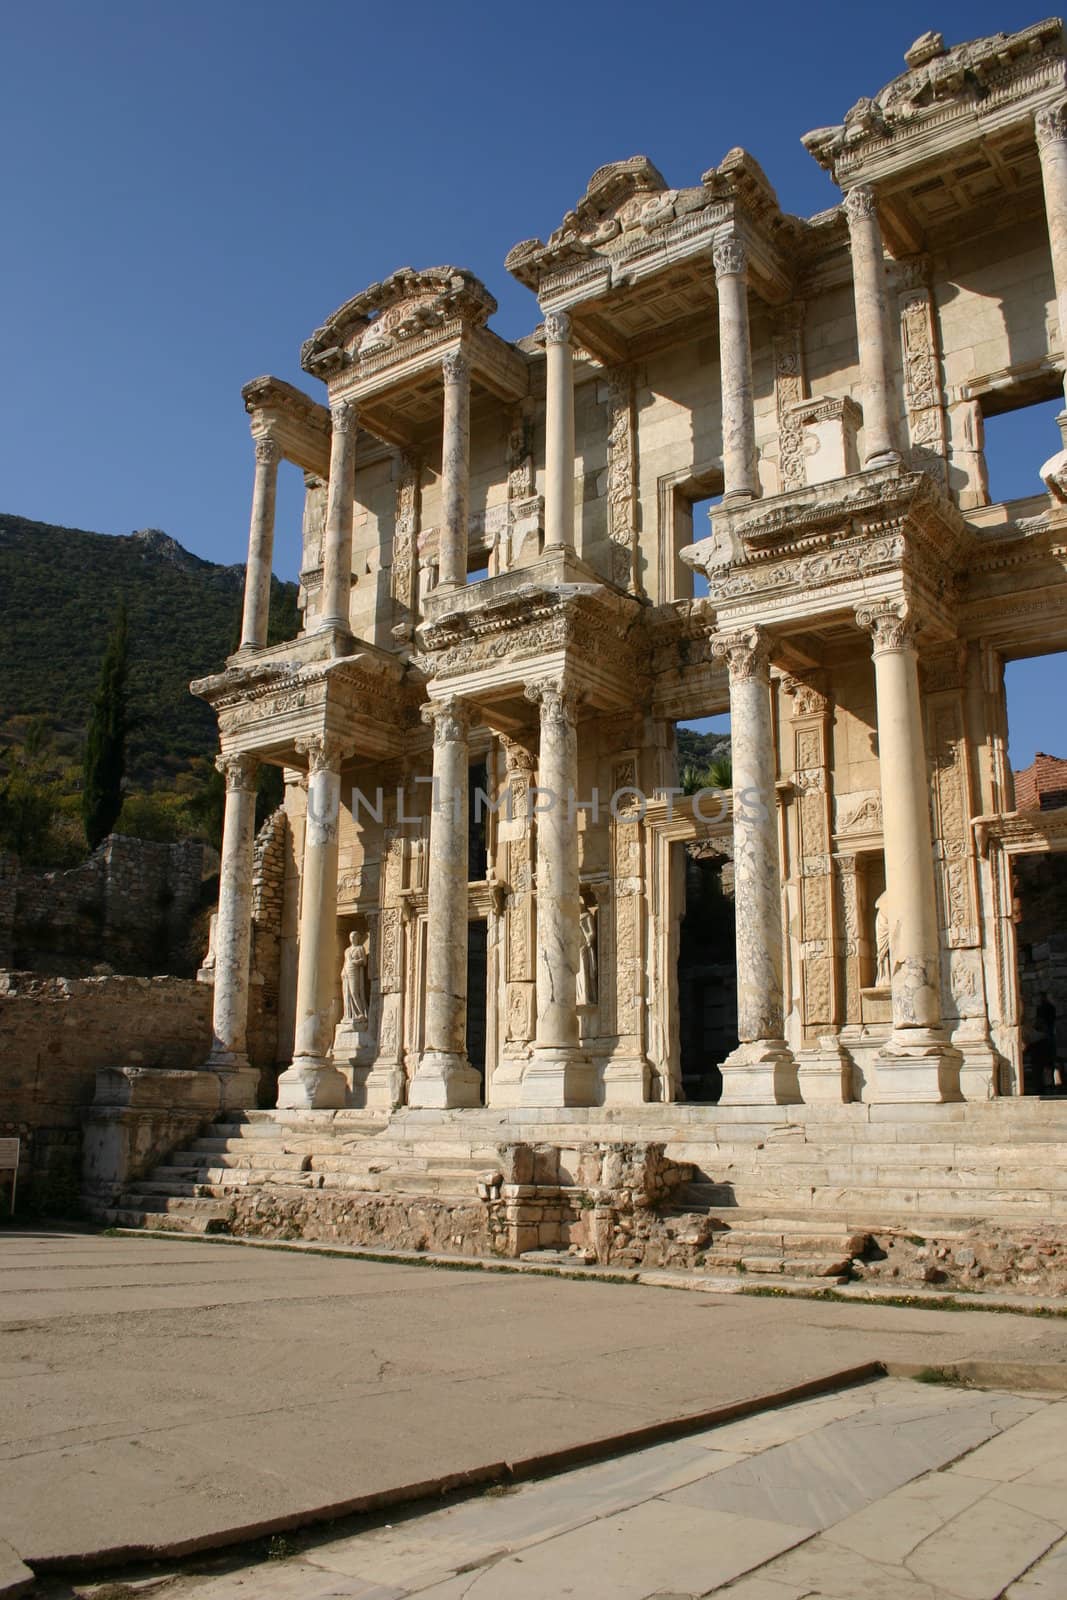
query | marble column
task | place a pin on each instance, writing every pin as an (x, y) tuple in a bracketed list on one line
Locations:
[(558, 1073), (1050, 128), (871, 294), (444, 1077), (337, 542), (455, 471), (761, 1071), (740, 479), (260, 546), (312, 1082), (233, 934), (559, 432), (917, 1062)]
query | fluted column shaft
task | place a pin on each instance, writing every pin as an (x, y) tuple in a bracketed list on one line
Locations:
[(312, 1081), (337, 542), (761, 1071), (757, 871), (260, 546), (1050, 127), (233, 926), (558, 1073), (914, 940), (455, 470), (559, 432), (872, 327), (445, 1077), (741, 481)]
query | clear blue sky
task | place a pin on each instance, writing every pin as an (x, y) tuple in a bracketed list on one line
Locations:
[(190, 188)]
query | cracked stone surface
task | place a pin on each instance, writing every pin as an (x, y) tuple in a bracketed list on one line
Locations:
[(155, 1391), (891, 1490)]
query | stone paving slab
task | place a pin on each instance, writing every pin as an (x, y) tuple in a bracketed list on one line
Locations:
[(217, 1390), (647, 1526)]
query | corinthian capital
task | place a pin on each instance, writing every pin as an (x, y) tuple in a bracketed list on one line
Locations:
[(455, 368), (891, 624), (1050, 125), (557, 328), (747, 654), (267, 451), (557, 699), (450, 719), (730, 255), (343, 416), (860, 203), (324, 751), (239, 771)]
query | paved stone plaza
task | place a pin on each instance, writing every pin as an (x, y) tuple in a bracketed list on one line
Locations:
[(163, 1393), (892, 1490)]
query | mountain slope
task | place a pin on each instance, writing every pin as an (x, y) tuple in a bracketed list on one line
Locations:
[(59, 590)]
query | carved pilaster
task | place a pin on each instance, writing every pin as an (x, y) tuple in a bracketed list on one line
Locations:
[(789, 390), (406, 530), (622, 478), (924, 397)]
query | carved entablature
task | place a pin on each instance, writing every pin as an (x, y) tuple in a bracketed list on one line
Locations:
[(368, 701), (406, 306), (946, 93), (389, 336), (629, 225), (298, 425), (589, 631), (818, 550)]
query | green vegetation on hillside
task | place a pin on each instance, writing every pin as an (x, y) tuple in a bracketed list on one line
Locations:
[(60, 591)]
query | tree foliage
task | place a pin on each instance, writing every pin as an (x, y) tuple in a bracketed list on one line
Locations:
[(105, 745)]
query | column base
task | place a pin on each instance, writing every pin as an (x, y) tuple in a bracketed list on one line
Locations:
[(238, 1087), (761, 1072), (559, 1075), (627, 1081), (374, 1088), (311, 1086), (824, 1072), (918, 1065), (444, 1081), (881, 458)]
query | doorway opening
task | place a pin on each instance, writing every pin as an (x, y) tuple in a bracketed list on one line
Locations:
[(707, 971), (477, 1009), (1039, 911)]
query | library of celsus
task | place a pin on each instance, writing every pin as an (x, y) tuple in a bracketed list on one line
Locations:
[(736, 468)]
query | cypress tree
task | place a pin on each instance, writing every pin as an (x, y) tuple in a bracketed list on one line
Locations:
[(105, 748)]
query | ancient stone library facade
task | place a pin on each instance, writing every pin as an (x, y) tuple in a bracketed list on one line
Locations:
[(512, 593), (508, 606)]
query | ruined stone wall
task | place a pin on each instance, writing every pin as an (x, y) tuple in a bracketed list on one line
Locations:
[(54, 1035), (268, 894), (9, 872), (131, 905)]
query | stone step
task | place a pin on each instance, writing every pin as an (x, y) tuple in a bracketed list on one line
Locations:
[(837, 1267), (803, 1241)]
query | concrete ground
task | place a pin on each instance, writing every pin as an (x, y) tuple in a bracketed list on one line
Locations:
[(163, 1394), (893, 1490)]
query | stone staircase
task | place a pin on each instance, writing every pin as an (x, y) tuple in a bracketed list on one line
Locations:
[(209, 1185), (968, 1195), (780, 1245)]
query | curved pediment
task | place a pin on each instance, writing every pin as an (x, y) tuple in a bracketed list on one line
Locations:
[(385, 315), (940, 80)]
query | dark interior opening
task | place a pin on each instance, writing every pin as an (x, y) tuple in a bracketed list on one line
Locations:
[(1040, 915), (477, 823), (477, 976), (707, 974)]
